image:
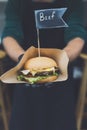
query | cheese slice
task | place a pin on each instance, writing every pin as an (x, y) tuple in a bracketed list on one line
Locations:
[(33, 72)]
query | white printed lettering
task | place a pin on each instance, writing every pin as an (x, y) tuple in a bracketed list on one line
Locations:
[(44, 17)]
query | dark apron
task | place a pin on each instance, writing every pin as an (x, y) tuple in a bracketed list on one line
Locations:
[(52, 38), (45, 107)]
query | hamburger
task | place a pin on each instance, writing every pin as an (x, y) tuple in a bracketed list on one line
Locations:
[(39, 70)]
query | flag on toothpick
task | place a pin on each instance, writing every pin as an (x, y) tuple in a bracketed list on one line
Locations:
[(50, 18)]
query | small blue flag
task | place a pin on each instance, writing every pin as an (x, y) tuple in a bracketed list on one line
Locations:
[(50, 18)]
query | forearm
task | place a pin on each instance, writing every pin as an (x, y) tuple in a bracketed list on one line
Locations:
[(13, 49), (74, 48)]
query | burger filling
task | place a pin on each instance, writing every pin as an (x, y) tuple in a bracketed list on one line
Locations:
[(34, 76)]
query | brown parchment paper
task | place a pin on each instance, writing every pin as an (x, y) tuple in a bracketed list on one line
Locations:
[(58, 55)]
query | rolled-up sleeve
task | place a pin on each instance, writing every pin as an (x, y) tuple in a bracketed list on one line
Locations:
[(13, 26), (75, 21)]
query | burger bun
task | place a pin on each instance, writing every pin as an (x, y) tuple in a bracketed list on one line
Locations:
[(48, 79), (39, 63)]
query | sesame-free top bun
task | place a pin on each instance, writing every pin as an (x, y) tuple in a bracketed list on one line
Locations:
[(39, 63)]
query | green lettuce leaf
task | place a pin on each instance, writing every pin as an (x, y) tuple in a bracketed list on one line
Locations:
[(33, 80)]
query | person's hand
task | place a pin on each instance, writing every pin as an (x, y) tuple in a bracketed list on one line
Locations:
[(74, 48)]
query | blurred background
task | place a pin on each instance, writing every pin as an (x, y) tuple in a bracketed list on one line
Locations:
[(79, 75)]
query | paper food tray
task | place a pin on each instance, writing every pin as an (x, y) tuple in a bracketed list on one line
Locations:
[(58, 55)]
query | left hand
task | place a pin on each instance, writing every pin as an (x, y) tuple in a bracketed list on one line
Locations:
[(74, 48)]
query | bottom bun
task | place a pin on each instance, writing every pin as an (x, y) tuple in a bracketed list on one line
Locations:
[(49, 79)]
